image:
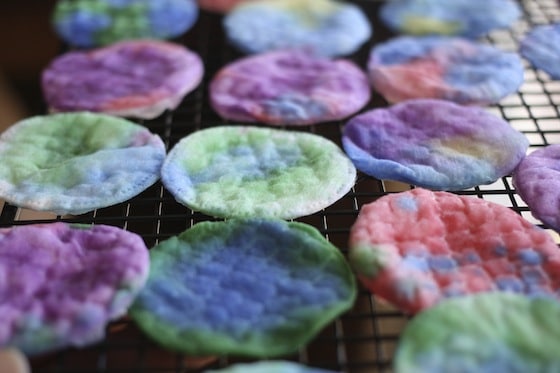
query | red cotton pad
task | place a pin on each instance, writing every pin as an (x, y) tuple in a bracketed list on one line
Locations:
[(417, 247)]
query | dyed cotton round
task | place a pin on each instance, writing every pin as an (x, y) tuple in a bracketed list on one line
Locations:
[(246, 287), (76, 162), (140, 78), (242, 171), (469, 18), (541, 46), (415, 248), (435, 144), (537, 181), (86, 23), (219, 6), (62, 284), (269, 367), (447, 68), (485, 333), (289, 88), (325, 27)]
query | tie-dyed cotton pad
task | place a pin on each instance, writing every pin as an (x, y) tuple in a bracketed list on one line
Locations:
[(289, 88), (61, 284), (448, 68), (435, 144), (417, 247), (325, 27), (541, 46), (537, 181), (242, 171), (254, 287), (269, 367), (76, 162), (469, 18), (483, 333), (140, 78), (91, 23), (220, 6)]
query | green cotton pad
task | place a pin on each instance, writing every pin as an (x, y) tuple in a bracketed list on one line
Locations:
[(243, 171), (258, 287), (484, 333), (76, 162), (269, 367)]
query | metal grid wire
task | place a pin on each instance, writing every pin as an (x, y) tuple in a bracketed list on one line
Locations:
[(362, 340)]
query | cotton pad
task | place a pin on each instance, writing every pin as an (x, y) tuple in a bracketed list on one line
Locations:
[(541, 46)]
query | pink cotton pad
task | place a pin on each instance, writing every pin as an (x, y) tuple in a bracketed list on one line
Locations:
[(289, 87), (220, 6), (61, 284), (136, 78), (537, 181), (418, 247)]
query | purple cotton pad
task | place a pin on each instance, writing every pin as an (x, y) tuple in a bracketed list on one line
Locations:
[(435, 144), (139, 78), (448, 68), (541, 46), (257, 287), (537, 181), (289, 88), (61, 284)]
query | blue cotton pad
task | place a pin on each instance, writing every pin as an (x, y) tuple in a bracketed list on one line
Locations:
[(325, 27), (88, 23), (541, 46), (468, 18), (435, 144), (448, 68), (247, 287), (269, 367), (484, 333), (73, 163)]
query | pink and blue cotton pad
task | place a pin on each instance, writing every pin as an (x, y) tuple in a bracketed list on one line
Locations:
[(448, 68), (417, 248), (61, 284), (324, 27), (92, 23), (257, 287), (76, 162), (484, 333), (137, 78), (289, 87), (435, 144), (541, 46), (245, 171), (468, 18)]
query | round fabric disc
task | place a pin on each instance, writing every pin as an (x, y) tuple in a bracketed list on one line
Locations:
[(241, 171), (247, 287), (447, 68), (269, 367), (417, 247), (139, 78), (541, 46), (434, 144), (77, 162), (61, 284)]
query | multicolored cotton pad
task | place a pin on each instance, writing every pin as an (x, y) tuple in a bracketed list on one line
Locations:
[(537, 181), (435, 144), (220, 6), (246, 287), (484, 333), (87, 23), (269, 367), (289, 88), (418, 247), (242, 171), (140, 78), (541, 46), (325, 27), (447, 68), (469, 18), (76, 162), (61, 284)]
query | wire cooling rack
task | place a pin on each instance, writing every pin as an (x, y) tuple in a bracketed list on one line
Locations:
[(362, 340)]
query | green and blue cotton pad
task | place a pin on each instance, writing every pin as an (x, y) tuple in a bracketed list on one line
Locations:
[(258, 287), (244, 171)]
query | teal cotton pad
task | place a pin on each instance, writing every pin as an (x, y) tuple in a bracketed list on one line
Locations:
[(257, 287), (244, 171), (73, 163)]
